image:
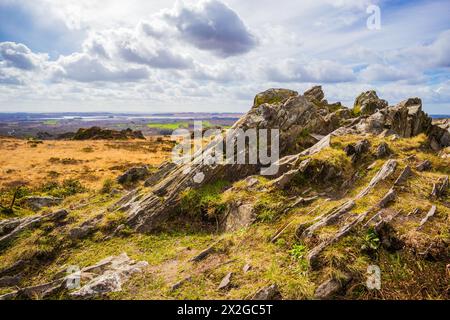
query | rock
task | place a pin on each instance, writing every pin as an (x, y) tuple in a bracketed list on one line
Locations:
[(205, 253), (407, 118), (180, 283), (315, 94), (357, 150), (403, 177), (386, 171), (97, 133), (429, 215), (14, 268), (424, 166), (269, 293), (162, 171), (383, 150), (133, 175), (29, 223), (440, 187), (388, 198), (226, 281), (272, 96), (368, 103), (246, 268), (37, 203), (331, 288), (86, 228), (111, 273), (439, 136), (238, 216)]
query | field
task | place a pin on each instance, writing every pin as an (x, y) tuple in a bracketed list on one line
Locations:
[(34, 163)]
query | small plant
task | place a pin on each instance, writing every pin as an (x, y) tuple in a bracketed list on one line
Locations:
[(68, 188), (371, 241), (297, 252), (88, 149)]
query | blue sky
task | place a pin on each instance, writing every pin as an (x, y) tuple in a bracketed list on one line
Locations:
[(213, 55)]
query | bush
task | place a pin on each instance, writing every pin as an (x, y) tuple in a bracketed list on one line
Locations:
[(108, 186), (68, 188)]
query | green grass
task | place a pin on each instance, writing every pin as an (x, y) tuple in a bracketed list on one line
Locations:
[(50, 122), (168, 126)]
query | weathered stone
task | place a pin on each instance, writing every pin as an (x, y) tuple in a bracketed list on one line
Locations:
[(388, 198), (440, 187), (226, 281), (388, 236), (268, 293), (272, 96), (133, 175), (239, 216), (429, 215), (37, 203), (162, 171), (9, 281), (383, 150), (386, 171), (424, 166), (112, 273), (331, 288), (403, 177), (368, 103), (315, 94)]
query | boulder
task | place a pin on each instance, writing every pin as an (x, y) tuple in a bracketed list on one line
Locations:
[(368, 103), (407, 118), (133, 175), (315, 94), (383, 150), (268, 293), (272, 96), (37, 203), (108, 276), (238, 216), (331, 288)]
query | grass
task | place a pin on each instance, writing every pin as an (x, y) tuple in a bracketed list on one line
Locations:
[(50, 122), (169, 126)]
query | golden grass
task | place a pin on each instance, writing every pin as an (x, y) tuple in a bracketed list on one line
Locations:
[(90, 162)]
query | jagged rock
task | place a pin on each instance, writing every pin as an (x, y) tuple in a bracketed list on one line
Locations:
[(355, 151), (383, 150), (14, 268), (133, 175), (205, 253), (246, 268), (111, 273), (180, 283), (293, 117), (315, 94), (424, 166), (226, 281), (386, 171), (388, 198), (272, 96), (439, 136), (162, 171), (37, 203), (268, 293), (440, 187), (239, 216), (368, 103), (30, 223), (403, 177), (407, 118), (332, 217), (429, 215), (331, 288), (86, 228)]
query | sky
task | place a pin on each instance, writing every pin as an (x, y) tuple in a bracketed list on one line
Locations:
[(215, 56)]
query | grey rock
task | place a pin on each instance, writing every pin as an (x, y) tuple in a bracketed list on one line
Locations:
[(424, 166), (331, 288), (383, 150), (37, 203), (133, 175), (226, 282), (268, 293), (369, 103)]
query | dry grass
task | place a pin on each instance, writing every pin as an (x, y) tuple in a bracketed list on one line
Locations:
[(90, 162)]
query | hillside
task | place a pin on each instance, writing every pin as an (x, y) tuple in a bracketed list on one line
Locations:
[(357, 188)]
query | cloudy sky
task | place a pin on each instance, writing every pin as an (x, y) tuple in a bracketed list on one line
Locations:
[(213, 55)]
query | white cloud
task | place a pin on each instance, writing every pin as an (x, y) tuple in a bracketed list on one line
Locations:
[(19, 56)]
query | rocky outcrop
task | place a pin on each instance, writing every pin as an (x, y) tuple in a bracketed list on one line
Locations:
[(368, 103), (273, 96), (97, 133), (331, 288), (268, 293)]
